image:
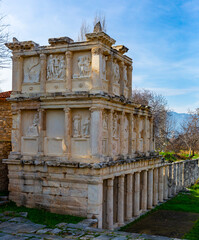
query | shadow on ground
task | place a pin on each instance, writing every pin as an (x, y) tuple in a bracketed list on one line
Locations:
[(165, 223)]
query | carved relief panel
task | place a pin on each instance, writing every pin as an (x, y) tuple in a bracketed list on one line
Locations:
[(56, 67), (30, 132), (105, 126), (81, 71), (80, 133), (116, 133), (32, 70), (116, 77), (126, 134)]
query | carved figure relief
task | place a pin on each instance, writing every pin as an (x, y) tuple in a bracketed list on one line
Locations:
[(116, 126), (77, 126), (125, 76), (116, 72), (86, 127), (56, 67), (81, 127), (33, 129), (31, 70), (84, 67)]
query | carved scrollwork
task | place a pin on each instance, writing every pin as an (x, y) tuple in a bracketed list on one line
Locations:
[(56, 67)]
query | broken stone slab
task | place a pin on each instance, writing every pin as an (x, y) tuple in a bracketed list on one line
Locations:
[(61, 225)]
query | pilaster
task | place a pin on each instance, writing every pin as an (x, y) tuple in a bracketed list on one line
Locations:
[(144, 191), (129, 197), (110, 203), (67, 133), (68, 56), (109, 73), (129, 75), (121, 200), (137, 194), (41, 132), (150, 189), (43, 63)]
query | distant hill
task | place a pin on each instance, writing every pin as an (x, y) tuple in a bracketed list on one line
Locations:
[(178, 119)]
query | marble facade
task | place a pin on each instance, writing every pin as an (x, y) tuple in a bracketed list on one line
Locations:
[(79, 144)]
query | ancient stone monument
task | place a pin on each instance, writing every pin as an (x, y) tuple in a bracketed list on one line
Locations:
[(79, 144)]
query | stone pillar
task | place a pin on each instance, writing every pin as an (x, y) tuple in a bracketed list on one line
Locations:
[(137, 194), (41, 132), (95, 201), (109, 73), (121, 200), (129, 197), (16, 132), (96, 133), (155, 186), (97, 69), (177, 177), (68, 56), (170, 181), (43, 63), (150, 189), (67, 134), (174, 179), (129, 76), (144, 191), (160, 184), (166, 182), (110, 203), (110, 134), (17, 73)]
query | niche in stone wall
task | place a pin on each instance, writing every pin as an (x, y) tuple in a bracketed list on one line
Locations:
[(116, 78), (54, 139), (29, 127), (56, 71), (80, 133), (81, 71), (31, 73)]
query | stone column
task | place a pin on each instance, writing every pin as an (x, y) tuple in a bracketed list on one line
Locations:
[(110, 203), (160, 185), (41, 132), (166, 182), (170, 181), (129, 197), (68, 56), (110, 134), (16, 132), (97, 69), (150, 189), (137, 194), (67, 134), (121, 200), (129, 75), (43, 63), (96, 133), (109, 73), (144, 191), (17, 73), (155, 186), (95, 201)]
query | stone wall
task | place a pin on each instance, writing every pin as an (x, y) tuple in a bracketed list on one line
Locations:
[(5, 137)]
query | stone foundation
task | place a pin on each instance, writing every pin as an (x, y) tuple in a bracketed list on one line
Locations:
[(112, 194)]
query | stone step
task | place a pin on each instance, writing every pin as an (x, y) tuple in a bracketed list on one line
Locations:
[(3, 203), (3, 198)]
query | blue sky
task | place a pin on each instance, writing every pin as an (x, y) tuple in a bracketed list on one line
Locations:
[(162, 37)]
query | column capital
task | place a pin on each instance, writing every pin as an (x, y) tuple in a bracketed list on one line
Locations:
[(41, 110), (67, 109), (93, 109), (43, 56), (68, 54), (97, 51)]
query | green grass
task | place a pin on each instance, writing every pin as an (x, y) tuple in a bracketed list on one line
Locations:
[(186, 202), (41, 216), (172, 156)]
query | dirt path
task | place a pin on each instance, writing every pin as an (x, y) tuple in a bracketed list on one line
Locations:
[(165, 223)]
